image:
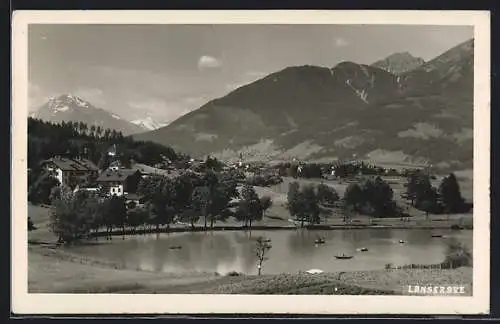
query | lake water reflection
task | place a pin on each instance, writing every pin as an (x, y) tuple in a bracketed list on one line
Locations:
[(292, 251)]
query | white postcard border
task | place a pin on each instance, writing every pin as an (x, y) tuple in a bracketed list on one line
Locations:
[(23, 302)]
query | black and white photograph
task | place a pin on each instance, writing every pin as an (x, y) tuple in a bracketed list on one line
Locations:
[(222, 155)]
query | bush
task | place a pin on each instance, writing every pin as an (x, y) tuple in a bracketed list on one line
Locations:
[(234, 274), (264, 180), (457, 255)]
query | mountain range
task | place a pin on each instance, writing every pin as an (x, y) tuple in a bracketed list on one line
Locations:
[(397, 110), (73, 108)]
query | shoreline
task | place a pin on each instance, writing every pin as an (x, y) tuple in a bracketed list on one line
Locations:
[(129, 232)]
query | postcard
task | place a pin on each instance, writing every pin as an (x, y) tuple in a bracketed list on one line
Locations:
[(250, 162)]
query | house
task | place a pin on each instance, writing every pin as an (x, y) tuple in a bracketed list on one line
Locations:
[(71, 172), (133, 199), (148, 171), (119, 182)]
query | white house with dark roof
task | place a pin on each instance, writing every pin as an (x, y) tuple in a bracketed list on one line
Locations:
[(70, 172), (119, 182)]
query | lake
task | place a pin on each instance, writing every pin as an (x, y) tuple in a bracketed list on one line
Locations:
[(292, 250)]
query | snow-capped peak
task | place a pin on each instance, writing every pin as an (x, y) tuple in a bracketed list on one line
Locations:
[(67, 102), (148, 123)]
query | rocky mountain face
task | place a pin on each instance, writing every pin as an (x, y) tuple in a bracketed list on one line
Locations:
[(72, 108), (314, 113), (399, 63)]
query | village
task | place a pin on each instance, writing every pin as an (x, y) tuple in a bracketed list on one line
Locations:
[(268, 180)]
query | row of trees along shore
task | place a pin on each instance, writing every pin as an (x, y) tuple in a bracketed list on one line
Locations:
[(214, 197), (186, 198)]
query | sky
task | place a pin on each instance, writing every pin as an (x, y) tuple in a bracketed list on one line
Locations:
[(165, 71)]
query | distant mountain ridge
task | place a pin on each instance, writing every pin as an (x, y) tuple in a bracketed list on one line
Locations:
[(72, 108), (316, 113), (148, 123)]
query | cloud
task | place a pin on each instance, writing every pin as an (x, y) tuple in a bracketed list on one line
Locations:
[(207, 62), (341, 42), (37, 96)]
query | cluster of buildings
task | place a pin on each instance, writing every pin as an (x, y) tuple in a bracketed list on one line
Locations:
[(116, 180)]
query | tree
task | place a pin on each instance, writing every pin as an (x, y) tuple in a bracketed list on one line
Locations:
[(190, 215), (92, 130), (107, 217), (218, 207), (427, 206), (118, 208), (183, 187), (40, 191), (263, 245), (310, 205), (104, 161), (451, 197), (373, 197), (98, 131), (71, 218), (81, 127), (293, 191), (114, 134), (427, 197), (327, 195), (303, 205), (347, 211), (159, 191), (265, 203), (249, 208), (137, 216), (213, 163), (380, 196), (219, 195), (201, 201), (107, 133), (353, 195)]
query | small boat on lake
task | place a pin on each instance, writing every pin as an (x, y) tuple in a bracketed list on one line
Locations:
[(343, 257), (437, 235), (402, 242), (175, 247), (363, 249), (320, 240)]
